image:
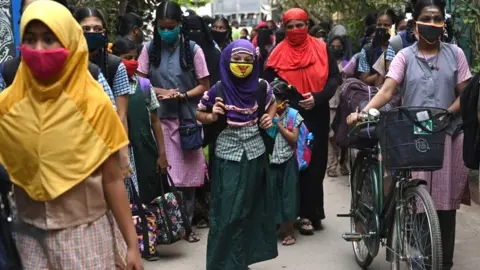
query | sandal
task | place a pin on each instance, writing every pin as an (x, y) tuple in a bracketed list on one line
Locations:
[(306, 227), (332, 173), (289, 240), (202, 224), (193, 238)]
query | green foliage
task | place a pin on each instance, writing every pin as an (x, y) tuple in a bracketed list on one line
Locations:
[(354, 11), (468, 12)]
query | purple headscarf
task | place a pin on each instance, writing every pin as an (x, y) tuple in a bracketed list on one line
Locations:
[(239, 92)]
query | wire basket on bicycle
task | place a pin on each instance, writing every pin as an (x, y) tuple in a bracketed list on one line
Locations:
[(413, 138)]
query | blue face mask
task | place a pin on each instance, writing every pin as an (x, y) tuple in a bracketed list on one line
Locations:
[(95, 41), (169, 36)]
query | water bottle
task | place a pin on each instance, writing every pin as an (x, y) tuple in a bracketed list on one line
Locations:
[(310, 140)]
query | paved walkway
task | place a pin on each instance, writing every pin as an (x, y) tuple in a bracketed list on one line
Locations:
[(326, 249)]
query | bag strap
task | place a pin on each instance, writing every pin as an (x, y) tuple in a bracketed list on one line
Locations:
[(181, 204), (291, 119), (261, 97), (145, 87), (143, 218), (113, 63), (94, 70)]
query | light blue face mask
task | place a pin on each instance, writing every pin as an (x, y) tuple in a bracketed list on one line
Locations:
[(169, 36)]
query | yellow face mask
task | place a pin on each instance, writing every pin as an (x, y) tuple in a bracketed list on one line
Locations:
[(241, 70)]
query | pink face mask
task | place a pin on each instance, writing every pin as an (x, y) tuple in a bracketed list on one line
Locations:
[(44, 64)]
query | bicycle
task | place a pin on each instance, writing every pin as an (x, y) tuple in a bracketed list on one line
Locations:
[(392, 220)]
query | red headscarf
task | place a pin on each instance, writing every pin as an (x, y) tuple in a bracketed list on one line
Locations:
[(300, 59), (262, 24)]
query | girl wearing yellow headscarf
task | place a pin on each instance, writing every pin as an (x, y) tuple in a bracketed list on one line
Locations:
[(60, 142)]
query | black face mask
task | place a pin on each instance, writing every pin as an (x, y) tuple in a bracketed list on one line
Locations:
[(218, 36), (338, 53), (199, 38), (381, 36), (431, 34)]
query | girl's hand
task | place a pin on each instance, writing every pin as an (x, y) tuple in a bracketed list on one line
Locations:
[(218, 109), (126, 171), (163, 94), (266, 121), (307, 103), (162, 163), (352, 119), (134, 260)]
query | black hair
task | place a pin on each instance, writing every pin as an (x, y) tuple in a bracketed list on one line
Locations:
[(389, 13), (313, 31), (370, 19), (122, 46), (208, 20), (128, 23), (281, 90), (172, 11), (83, 13), (229, 28), (190, 12), (246, 30), (421, 4), (340, 38)]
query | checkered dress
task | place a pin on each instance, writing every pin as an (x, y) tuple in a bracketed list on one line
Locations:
[(121, 84), (282, 151), (363, 65), (234, 141), (96, 245)]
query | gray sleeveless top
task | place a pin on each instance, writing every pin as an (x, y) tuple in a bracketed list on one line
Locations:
[(427, 87), (170, 75)]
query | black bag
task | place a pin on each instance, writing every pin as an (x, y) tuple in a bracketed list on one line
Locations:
[(190, 130), (470, 116), (211, 131), (409, 142), (10, 67), (9, 257)]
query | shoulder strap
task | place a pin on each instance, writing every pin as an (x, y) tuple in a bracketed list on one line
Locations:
[(220, 92), (113, 63), (261, 97), (145, 87), (291, 118), (10, 68), (94, 70)]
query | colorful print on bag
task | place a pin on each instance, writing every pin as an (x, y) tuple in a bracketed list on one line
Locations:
[(303, 151), (171, 225), (152, 231)]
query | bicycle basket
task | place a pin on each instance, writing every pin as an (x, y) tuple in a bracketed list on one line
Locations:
[(413, 138)]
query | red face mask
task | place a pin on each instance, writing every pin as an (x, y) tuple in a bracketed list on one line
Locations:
[(131, 65), (297, 36), (44, 64)]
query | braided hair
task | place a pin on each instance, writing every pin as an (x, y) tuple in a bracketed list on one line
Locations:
[(86, 12), (172, 11)]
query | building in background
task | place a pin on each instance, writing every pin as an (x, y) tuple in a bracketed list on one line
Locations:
[(247, 12)]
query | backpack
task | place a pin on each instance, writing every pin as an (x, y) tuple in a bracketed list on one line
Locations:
[(470, 115), (211, 131), (9, 68), (303, 151), (355, 94)]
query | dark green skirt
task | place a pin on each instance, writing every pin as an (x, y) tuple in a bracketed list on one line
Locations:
[(285, 177), (242, 216)]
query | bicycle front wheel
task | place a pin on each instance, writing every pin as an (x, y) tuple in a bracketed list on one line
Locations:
[(418, 239)]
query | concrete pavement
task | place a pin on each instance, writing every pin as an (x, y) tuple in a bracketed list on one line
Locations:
[(326, 249)]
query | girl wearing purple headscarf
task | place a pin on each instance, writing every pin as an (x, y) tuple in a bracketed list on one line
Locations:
[(242, 218)]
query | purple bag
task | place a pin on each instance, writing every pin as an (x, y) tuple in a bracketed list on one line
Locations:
[(145, 86), (355, 94)]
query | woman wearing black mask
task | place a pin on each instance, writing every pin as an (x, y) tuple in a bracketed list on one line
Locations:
[(198, 32), (337, 47), (379, 45), (93, 24), (433, 74), (222, 32)]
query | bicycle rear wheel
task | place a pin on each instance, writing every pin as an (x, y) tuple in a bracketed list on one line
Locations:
[(418, 241), (360, 191)]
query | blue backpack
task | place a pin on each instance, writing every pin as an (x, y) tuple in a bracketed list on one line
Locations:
[(303, 151)]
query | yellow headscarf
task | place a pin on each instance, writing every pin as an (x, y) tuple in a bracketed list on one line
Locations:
[(55, 136)]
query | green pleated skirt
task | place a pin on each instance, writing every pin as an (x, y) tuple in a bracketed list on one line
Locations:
[(287, 190), (242, 215)]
